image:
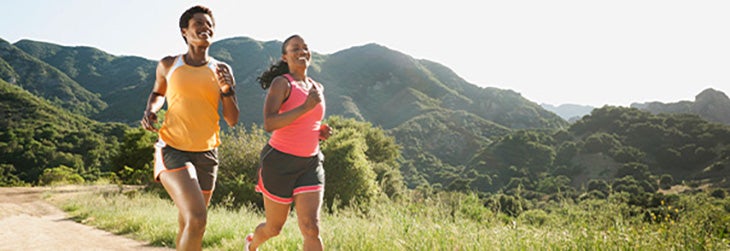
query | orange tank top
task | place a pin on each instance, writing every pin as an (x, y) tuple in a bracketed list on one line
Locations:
[(191, 122), (301, 137)]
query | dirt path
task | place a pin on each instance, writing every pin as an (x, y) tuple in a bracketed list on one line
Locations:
[(28, 222)]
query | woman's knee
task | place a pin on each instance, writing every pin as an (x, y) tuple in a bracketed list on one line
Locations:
[(309, 227), (273, 229), (196, 221)]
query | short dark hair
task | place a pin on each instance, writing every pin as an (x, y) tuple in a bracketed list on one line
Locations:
[(188, 14)]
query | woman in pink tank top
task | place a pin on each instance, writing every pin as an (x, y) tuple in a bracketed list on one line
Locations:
[(291, 163)]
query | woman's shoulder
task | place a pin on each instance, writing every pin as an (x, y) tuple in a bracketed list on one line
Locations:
[(280, 80), (167, 61)]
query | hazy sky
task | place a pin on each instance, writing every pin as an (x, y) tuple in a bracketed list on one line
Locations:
[(581, 51)]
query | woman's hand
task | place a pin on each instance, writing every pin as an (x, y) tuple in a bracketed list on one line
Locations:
[(325, 131), (226, 82), (149, 119), (313, 98)]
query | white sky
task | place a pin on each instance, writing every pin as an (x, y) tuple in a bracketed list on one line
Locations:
[(563, 51)]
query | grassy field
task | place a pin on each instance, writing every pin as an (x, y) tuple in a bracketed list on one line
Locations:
[(443, 221)]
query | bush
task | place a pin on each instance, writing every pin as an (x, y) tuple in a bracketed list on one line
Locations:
[(535, 217), (239, 155), (8, 177), (351, 178), (601, 142), (599, 185), (507, 204), (718, 193), (134, 176), (666, 181), (61, 175), (134, 162), (382, 153)]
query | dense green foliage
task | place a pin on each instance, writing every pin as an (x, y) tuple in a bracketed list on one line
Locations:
[(59, 176), (35, 135), (612, 150)]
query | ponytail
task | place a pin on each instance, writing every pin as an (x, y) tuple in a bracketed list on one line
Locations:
[(275, 70)]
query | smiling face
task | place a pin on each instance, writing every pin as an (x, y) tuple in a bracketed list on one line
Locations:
[(200, 30), (296, 53)]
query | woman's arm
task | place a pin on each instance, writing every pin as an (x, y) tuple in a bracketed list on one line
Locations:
[(227, 83), (157, 97), (277, 93)]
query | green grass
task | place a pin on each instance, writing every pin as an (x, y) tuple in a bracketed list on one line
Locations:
[(439, 222)]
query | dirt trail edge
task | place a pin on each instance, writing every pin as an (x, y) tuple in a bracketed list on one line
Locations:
[(28, 222)]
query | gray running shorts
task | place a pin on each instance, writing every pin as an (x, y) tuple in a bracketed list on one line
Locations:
[(202, 166), (282, 175)]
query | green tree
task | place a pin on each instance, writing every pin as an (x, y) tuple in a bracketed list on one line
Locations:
[(59, 176), (666, 181), (8, 177), (239, 156), (350, 177), (601, 142), (382, 153), (134, 160), (526, 149)]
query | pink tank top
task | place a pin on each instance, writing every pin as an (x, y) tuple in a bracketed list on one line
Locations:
[(301, 137)]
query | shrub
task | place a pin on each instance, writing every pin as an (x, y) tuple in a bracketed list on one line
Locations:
[(60, 175), (507, 204), (238, 164), (351, 178), (598, 185), (8, 177), (535, 217), (135, 158), (382, 153), (666, 181)]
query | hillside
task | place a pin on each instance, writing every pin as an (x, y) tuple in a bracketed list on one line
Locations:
[(35, 135), (122, 82), (40, 78), (710, 104), (370, 83), (384, 86)]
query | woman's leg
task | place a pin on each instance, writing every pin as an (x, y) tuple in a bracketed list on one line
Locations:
[(181, 220), (308, 206), (191, 205), (276, 214)]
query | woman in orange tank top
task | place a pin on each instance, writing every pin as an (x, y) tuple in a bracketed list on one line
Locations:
[(291, 163), (186, 156)]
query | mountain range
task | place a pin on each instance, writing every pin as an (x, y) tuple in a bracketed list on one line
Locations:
[(370, 82), (439, 118), (710, 104)]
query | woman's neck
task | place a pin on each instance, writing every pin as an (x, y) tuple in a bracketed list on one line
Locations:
[(197, 56), (298, 75)]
